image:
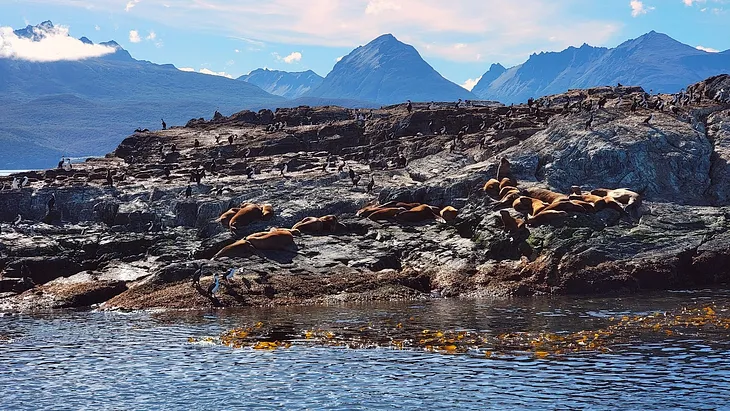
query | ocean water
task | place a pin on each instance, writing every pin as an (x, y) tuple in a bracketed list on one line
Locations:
[(83, 360)]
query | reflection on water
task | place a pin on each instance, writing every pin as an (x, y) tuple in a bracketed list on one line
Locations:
[(81, 360)]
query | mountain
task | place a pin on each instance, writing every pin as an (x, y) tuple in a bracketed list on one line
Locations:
[(283, 83), (86, 107), (387, 71), (495, 70), (653, 61)]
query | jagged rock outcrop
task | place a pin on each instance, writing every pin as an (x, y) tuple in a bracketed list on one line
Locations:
[(137, 244)]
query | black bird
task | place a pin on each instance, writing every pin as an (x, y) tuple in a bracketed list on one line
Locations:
[(430, 126), (60, 163), (482, 126), (196, 143), (458, 103), (109, 178), (634, 105), (212, 166), (409, 107), (219, 192), (188, 191), (619, 85), (197, 274), (352, 174), (166, 170), (199, 176), (214, 286), (173, 148), (589, 123), (164, 125), (230, 139), (52, 202), (284, 169), (356, 180), (443, 130), (324, 166), (648, 119), (371, 184), (249, 172)]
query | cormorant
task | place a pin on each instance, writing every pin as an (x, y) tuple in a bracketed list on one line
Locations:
[(214, 286), (188, 191), (371, 184), (197, 274)]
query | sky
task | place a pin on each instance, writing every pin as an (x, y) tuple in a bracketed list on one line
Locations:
[(459, 38)]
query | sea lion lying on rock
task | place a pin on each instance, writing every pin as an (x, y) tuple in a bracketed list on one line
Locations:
[(316, 225), (250, 213), (544, 195), (275, 239), (423, 212), (225, 218), (449, 213), (492, 188)]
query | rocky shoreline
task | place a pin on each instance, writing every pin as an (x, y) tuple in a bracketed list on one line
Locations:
[(138, 243)]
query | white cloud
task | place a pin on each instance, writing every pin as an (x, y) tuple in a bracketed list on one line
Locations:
[(131, 4), (379, 6), (97, 28), (291, 58), (237, 51), (470, 83), (134, 36), (54, 45), (638, 8), (186, 69), (215, 73), (152, 35), (707, 49)]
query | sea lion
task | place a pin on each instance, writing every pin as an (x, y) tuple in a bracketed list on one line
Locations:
[(511, 224), (568, 206), (226, 217), (449, 213), (622, 195), (317, 225), (424, 212), (504, 169), (528, 205), (507, 182), (383, 214), (545, 217), (492, 187), (250, 213), (405, 205), (277, 239), (545, 195)]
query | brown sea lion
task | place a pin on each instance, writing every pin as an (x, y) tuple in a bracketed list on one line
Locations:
[(250, 213), (511, 224), (367, 210), (622, 195), (226, 217), (317, 225), (491, 188), (507, 182), (449, 213), (385, 213), (545, 195), (276, 239), (504, 169), (528, 205), (568, 206), (424, 212), (545, 217), (405, 205)]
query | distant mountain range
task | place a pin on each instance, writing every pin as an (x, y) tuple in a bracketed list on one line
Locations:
[(86, 107), (653, 61), (387, 71), (283, 83)]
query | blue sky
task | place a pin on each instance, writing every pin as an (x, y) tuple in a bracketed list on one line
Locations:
[(459, 38)]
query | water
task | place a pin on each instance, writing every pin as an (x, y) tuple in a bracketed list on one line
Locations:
[(102, 360)]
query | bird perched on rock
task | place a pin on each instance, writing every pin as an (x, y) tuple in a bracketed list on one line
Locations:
[(352, 174), (188, 191), (15, 184), (18, 220), (589, 123), (648, 119), (230, 139), (24, 182), (409, 107), (164, 125), (166, 171), (341, 166), (371, 184), (60, 163), (230, 274), (197, 274), (196, 143), (109, 178), (284, 169), (212, 166), (324, 166), (443, 130), (249, 172), (247, 153), (214, 286), (51, 202)]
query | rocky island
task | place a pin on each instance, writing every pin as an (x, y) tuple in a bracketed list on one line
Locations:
[(145, 227)]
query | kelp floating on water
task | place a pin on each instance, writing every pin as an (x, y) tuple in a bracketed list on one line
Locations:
[(402, 336)]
